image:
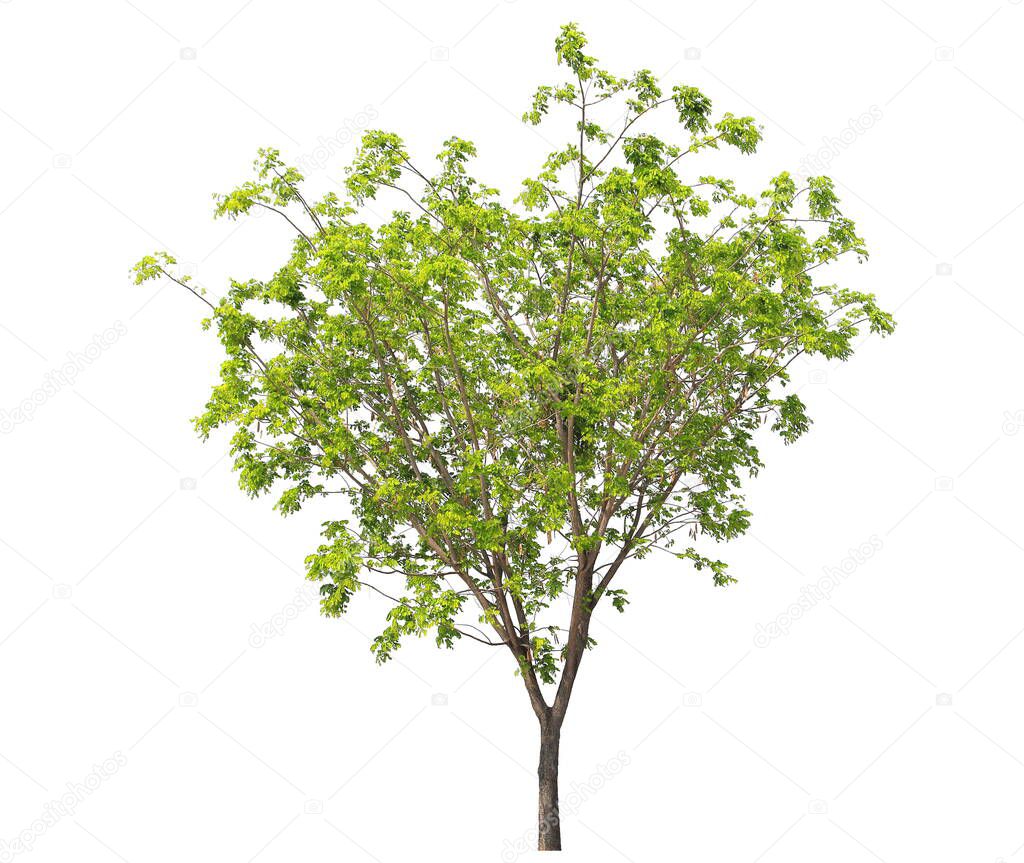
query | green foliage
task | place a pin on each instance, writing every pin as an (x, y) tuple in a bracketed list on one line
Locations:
[(152, 267), (515, 400)]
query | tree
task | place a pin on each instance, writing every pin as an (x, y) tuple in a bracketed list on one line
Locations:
[(518, 400)]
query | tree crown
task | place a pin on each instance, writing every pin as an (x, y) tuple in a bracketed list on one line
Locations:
[(517, 398)]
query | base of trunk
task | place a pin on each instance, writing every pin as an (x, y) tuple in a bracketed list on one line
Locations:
[(549, 829)]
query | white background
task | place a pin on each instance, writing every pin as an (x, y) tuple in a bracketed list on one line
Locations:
[(886, 724)]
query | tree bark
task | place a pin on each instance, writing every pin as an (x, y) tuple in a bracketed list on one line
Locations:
[(549, 830)]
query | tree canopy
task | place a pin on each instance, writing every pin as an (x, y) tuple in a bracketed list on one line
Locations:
[(513, 399)]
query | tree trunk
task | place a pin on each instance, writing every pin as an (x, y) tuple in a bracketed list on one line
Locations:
[(549, 831)]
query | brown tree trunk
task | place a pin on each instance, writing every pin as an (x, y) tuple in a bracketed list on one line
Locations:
[(549, 830)]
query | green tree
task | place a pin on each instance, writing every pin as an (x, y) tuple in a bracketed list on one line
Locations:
[(517, 400)]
